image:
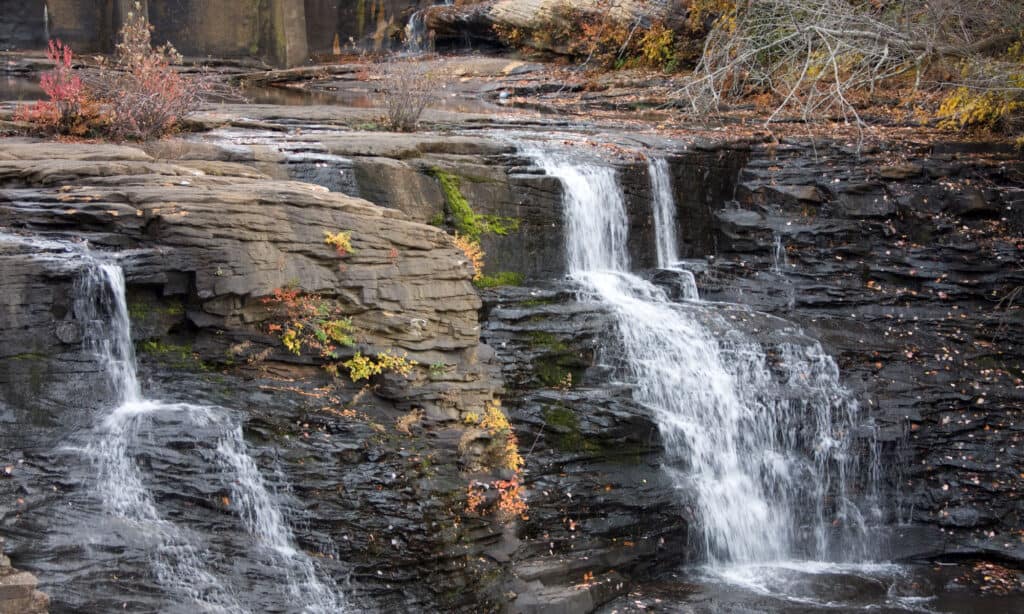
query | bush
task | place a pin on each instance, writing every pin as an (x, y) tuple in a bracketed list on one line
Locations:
[(408, 88), (827, 58), (69, 110), (147, 97), (140, 96)]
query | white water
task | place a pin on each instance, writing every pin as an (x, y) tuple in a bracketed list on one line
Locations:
[(779, 259), (265, 522), (763, 452), (178, 558), (417, 39), (663, 205)]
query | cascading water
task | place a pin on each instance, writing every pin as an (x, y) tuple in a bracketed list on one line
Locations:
[(663, 203), (779, 259), (177, 556), (763, 438), (417, 39)]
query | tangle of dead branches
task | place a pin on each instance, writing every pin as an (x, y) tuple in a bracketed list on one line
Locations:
[(819, 58)]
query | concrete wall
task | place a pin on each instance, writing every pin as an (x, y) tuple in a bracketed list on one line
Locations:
[(84, 24), (21, 24), (274, 30), (284, 32), (200, 28)]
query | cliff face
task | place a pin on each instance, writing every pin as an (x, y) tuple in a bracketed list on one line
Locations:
[(902, 259), (201, 243)]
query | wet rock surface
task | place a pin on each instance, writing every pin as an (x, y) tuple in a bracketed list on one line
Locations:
[(906, 267)]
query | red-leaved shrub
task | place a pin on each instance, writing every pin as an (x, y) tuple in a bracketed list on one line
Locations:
[(69, 108), (137, 96)]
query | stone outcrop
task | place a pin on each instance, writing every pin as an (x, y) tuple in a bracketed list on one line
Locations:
[(218, 237), (18, 594), (201, 242), (480, 22), (900, 261)]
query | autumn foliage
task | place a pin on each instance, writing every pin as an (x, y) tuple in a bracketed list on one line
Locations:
[(139, 96), (147, 97), (69, 108)]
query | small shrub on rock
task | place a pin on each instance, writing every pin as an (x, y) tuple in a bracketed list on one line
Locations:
[(408, 88), (69, 108), (137, 96), (146, 96)]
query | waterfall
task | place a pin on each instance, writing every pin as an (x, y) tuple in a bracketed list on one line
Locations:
[(416, 33), (178, 557), (101, 308), (761, 437), (265, 522), (417, 39), (779, 259), (663, 205)]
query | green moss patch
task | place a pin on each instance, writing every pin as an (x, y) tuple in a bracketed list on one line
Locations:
[(503, 278), (548, 341), (466, 222), (174, 356)]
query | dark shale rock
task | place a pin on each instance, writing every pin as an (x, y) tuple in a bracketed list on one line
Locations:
[(911, 285)]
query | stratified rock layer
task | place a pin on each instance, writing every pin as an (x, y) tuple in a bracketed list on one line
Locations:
[(201, 243)]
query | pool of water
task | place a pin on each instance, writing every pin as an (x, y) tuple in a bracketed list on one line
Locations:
[(20, 88), (801, 587)]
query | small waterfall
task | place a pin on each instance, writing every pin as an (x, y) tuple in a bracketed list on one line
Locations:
[(416, 33), (417, 38), (765, 452), (101, 308), (663, 204), (179, 560), (46, 21), (265, 522), (779, 259)]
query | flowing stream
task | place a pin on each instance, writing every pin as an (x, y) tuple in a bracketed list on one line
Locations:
[(762, 436), (179, 558)]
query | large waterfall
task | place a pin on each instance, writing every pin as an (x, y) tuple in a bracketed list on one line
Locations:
[(179, 559), (761, 436)]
